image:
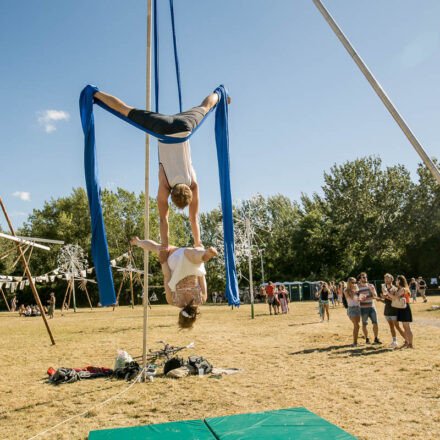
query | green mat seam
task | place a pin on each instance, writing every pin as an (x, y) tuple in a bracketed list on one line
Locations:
[(212, 432)]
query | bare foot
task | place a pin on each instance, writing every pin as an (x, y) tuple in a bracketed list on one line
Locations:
[(209, 253)]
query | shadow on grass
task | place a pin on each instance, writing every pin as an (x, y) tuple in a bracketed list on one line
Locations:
[(364, 351), (303, 323), (319, 349)]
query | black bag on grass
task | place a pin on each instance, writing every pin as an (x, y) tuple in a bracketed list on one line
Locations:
[(200, 364), (172, 364)]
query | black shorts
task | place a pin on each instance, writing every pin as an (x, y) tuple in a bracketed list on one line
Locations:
[(404, 315), (168, 124)]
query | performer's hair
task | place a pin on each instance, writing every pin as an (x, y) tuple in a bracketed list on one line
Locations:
[(181, 195), (188, 316)]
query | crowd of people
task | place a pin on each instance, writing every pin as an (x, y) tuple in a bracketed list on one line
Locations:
[(360, 297), (277, 298), (33, 310)]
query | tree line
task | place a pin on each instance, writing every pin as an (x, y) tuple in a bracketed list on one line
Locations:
[(367, 218)]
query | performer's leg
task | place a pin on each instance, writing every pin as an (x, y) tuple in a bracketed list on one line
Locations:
[(210, 101), (199, 255), (114, 103), (149, 245)]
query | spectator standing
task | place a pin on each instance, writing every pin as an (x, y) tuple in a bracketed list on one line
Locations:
[(405, 316), (324, 300), (276, 302), (52, 302), (367, 295), (413, 289), (421, 287), (270, 292), (14, 304), (214, 297), (283, 297), (331, 293), (353, 308), (390, 312)]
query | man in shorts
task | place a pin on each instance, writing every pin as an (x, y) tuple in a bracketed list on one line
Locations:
[(367, 295), (421, 287), (270, 291), (176, 174)]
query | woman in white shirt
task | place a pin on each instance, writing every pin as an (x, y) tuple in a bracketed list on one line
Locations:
[(184, 277)]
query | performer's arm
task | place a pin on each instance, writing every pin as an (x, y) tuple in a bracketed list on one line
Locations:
[(113, 102), (202, 282), (166, 278), (162, 205), (194, 215)]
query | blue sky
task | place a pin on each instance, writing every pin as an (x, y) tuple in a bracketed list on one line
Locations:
[(300, 104)]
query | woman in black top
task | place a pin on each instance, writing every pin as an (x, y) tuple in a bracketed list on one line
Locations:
[(324, 301)]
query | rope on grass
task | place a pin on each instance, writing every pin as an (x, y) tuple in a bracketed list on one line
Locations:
[(90, 409)]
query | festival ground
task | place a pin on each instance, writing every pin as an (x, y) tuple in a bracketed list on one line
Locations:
[(289, 360)]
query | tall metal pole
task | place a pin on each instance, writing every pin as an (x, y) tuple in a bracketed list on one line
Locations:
[(147, 195), (378, 89), (262, 266), (251, 287)]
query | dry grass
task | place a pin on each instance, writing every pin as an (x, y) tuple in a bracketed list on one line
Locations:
[(372, 392)]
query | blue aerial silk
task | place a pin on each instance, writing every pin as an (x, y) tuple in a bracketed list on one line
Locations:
[(99, 241), (100, 253)]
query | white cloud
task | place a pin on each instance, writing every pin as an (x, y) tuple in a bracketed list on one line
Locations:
[(47, 118), (26, 196)]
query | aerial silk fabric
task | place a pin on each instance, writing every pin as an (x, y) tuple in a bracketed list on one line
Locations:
[(100, 252)]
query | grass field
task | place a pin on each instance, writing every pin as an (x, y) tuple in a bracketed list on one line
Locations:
[(289, 360)]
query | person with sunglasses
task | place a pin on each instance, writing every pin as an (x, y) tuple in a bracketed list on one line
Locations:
[(353, 308), (367, 296), (390, 312)]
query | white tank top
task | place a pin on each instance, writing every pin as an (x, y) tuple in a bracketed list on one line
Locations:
[(176, 161), (181, 268)]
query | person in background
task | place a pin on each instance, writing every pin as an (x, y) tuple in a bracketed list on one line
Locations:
[(276, 302), (341, 290), (270, 291), (14, 304), (317, 295), (331, 293), (367, 295), (324, 295), (413, 289), (404, 315), (21, 310), (421, 287), (283, 298), (390, 312), (51, 303), (353, 309), (214, 297)]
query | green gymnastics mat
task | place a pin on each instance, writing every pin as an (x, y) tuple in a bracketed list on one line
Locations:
[(190, 429), (286, 424), (283, 424)]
